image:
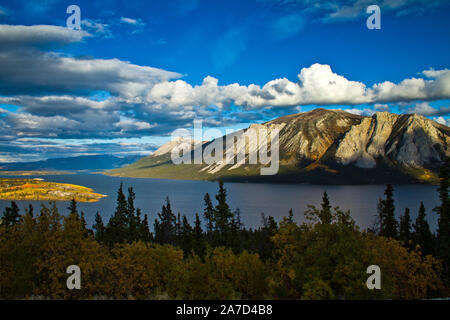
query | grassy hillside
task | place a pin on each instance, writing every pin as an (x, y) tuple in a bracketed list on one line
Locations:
[(161, 167)]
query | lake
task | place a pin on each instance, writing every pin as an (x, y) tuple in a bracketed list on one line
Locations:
[(251, 198)]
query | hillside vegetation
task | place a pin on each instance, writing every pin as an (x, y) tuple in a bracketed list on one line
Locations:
[(37, 189)]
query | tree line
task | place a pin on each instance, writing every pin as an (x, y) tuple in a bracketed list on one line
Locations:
[(216, 257)]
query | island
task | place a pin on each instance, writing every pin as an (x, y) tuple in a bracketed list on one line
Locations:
[(39, 189)]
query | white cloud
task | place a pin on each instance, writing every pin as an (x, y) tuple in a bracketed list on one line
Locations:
[(355, 8), (431, 73), (138, 24), (441, 120), (54, 91), (97, 27), (131, 21), (425, 109), (17, 35), (129, 124), (317, 84)]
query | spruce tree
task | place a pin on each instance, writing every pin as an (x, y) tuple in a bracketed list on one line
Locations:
[(290, 218), (83, 223), (165, 228), (144, 230), (422, 235), (133, 223), (198, 241), (388, 223), (405, 228), (186, 238), (99, 228), (208, 213), (117, 229), (443, 210), (223, 215), (30, 210), (73, 210), (11, 215), (325, 214)]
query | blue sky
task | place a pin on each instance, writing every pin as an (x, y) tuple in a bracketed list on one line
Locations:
[(140, 69)]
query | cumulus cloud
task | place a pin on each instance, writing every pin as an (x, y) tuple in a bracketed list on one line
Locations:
[(442, 120), (56, 93), (317, 85)]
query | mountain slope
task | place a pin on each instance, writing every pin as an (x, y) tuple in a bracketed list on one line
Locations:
[(329, 147)]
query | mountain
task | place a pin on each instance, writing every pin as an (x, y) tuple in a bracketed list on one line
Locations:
[(88, 163), (326, 147)]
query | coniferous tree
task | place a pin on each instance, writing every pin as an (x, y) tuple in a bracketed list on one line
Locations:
[(185, 236), (99, 228), (325, 213), (178, 227), (165, 228), (235, 235), (117, 229), (11, 215), (422, 235), (264, 243), (443, 210), (223, 216), (405, 228), (144, 230), (84, 224), (388, 224), (209, 213), (290, 218), (133, 222), (30, 212), (73, 207), (198, 241)]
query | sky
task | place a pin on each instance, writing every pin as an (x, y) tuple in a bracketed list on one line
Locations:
[(138, 70)]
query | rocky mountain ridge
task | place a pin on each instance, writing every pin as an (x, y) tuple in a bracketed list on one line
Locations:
[(328, 146)]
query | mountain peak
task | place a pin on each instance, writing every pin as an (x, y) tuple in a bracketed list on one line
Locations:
[(332, 146)]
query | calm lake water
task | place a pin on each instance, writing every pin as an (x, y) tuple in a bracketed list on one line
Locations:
[(251, 198)]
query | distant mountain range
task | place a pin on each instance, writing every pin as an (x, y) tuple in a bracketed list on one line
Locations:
[(85, 163), (327, 147)]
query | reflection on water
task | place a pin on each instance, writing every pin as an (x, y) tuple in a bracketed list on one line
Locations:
[(252, 199)]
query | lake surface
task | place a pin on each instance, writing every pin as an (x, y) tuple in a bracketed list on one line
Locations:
[(251, 198)]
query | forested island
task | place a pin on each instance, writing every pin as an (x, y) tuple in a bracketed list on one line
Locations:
[(38, 189)]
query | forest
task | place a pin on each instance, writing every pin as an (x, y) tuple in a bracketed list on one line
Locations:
[(217, 257)]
